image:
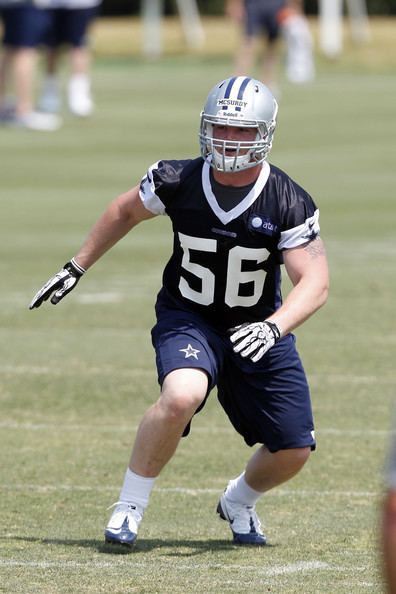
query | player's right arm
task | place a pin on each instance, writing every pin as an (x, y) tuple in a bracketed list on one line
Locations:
[(122, 214)]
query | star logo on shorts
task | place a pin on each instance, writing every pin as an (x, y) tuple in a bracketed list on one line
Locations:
[(190, 352)]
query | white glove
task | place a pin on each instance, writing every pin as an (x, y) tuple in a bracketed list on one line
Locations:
[(61, 284), (255, 339)]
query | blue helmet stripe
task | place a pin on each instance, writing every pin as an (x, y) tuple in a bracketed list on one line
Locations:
[(229, 87), (228, 90), (242, 90), (243, 87)]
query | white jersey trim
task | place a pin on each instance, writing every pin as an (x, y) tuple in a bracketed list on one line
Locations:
[(227, 216), (147, 193), (301, 234)]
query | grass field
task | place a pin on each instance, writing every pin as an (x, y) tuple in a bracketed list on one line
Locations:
[(76, 378)]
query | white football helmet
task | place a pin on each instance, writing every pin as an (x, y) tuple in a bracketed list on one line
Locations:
[(242, 102)]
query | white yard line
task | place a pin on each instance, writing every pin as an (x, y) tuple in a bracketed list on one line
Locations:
[(110, 297), (299, 567), (81, 370), (136, 371), (28, 487), (18, 426)]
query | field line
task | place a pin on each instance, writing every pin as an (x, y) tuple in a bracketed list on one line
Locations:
[(61, 371), (21, 487), (15, 425), (11, 369), (299, 567)]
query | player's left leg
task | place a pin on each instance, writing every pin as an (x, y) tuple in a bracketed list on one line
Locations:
[(268, 403), (266, 470)]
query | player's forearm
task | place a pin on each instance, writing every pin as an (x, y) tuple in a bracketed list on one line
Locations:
[(303, 301), (307, 268), (107, 231)]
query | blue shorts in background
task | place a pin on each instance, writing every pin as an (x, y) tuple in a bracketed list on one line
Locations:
[(69, 26), (262, 17), (24, 25)]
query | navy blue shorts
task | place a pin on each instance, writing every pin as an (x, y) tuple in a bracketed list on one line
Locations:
[(267, 402), (69, 26), (24, 25), (262, 17)]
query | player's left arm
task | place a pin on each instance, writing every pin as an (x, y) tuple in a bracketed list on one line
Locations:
[(307, 268)]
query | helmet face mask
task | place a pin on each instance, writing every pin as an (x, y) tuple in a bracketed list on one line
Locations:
[(240, 102)]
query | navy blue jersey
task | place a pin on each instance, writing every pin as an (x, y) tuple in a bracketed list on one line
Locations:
[(225, 265)]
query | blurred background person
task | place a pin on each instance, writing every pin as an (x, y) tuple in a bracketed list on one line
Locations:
[(299, 56), (276, 21), (70, 24), (388, 535), (23, 27), (257, 18)]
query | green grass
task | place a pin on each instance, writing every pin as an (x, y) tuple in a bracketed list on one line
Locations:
[(77, 378)]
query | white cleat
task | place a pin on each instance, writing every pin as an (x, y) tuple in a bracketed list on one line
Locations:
[(244, 522), (123, 525)]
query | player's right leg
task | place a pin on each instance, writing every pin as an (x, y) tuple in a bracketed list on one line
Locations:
[(157, 438), (187, 369)]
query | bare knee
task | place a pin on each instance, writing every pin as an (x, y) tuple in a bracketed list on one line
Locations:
[(182, 393), (294, 458), (301, 455)]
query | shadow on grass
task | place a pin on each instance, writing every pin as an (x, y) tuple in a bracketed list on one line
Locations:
[(176, 548)]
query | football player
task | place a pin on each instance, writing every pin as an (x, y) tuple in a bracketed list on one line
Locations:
[(221, 320)]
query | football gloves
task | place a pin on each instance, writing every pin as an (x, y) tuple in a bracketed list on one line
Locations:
[(59, 285), (253, 340)]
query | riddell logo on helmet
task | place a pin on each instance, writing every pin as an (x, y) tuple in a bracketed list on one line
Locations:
[(235, 102)]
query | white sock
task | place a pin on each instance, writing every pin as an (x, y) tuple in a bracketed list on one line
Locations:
[(239, 491), (136, 489)]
